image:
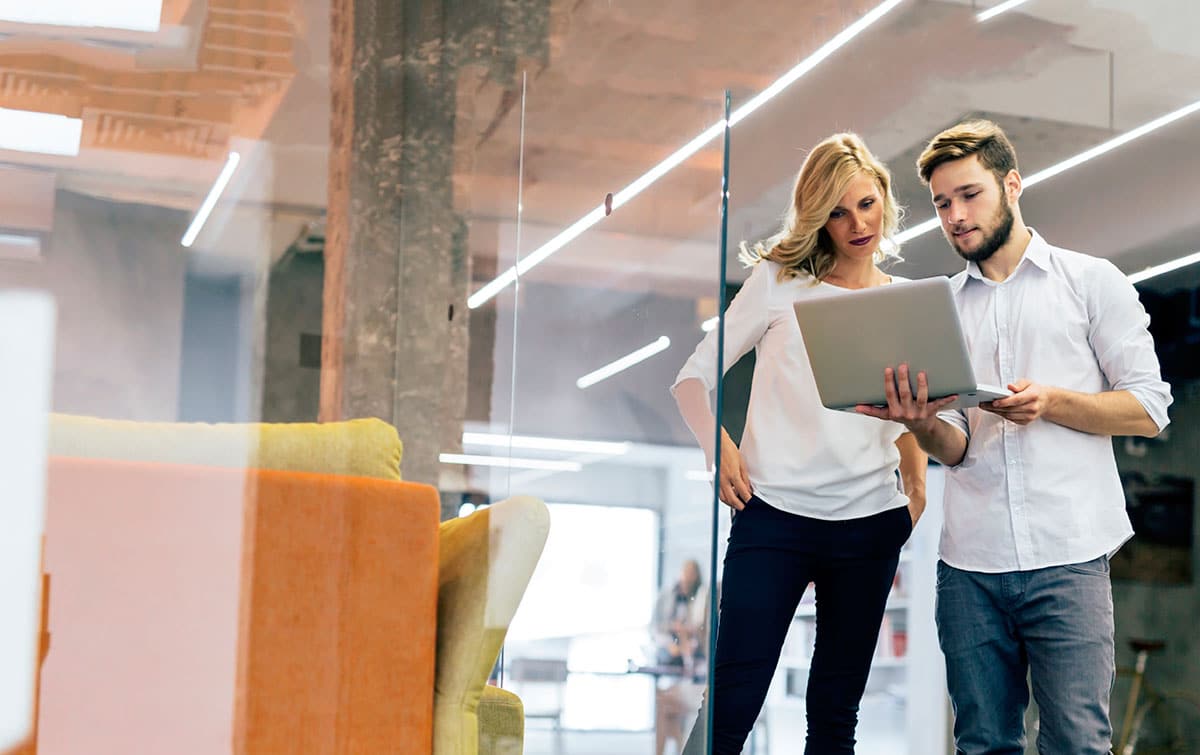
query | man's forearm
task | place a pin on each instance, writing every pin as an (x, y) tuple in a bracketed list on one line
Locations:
[(1108, 413), (941, 440)]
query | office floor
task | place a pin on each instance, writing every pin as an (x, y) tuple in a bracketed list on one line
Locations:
[(542, 742), (880, 732)]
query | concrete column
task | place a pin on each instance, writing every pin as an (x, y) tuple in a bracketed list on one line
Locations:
[(394, 330)]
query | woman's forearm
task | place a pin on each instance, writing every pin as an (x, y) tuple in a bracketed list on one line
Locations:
[(692, 397), (913, 463)]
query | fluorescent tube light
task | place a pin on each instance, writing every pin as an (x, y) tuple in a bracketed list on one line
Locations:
[(1112, 144), (511, 462), (210, 201), (530, 442), (710, 324), (1165, 267), (623, 363), (22, 247), (135, 15), (484, 294), (996, 10), (44, 133), (1072, 162), (919, 229)]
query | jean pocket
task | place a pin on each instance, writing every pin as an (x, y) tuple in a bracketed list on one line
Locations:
[(1097, 567)]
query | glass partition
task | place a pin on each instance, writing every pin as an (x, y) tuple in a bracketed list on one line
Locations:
[(619, 253)]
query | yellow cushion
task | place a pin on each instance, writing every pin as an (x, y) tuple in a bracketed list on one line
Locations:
[(359, 447), (501, 722)]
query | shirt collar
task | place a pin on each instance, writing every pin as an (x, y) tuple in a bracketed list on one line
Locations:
[(1037, 252)]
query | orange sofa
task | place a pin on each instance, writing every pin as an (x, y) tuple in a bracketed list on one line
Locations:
[(198, 600), (191, 607)]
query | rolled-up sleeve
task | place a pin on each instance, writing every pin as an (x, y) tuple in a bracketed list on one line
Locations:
[(745, 322), (956, 418), (1120, 339)]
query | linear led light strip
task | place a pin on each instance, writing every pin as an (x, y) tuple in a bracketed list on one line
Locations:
[(1071, 162), (510, 462), (1165, 267), (535, 443), (623, 363), (485, 294), (565, 445), (996, 10), (210, 201)]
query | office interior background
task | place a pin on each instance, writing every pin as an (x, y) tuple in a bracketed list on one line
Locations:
[(496, 226)]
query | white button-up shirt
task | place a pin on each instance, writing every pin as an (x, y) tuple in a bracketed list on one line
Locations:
[(1042, 494), (801, 457)]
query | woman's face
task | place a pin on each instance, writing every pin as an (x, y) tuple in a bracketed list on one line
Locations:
[(854, 223)]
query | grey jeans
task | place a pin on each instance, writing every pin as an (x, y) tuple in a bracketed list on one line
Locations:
[(1053, 626)]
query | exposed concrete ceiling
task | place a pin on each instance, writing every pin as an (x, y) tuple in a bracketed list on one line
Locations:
[(627, 82), (1062, 76)]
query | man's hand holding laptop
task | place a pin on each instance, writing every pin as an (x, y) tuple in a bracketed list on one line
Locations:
[(1028, 401), (916, 412)]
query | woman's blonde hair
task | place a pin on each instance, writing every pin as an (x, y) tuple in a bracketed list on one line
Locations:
[(803, 245)]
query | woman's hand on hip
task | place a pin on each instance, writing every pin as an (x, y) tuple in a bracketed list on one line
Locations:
[(733, 481), (916, 507)]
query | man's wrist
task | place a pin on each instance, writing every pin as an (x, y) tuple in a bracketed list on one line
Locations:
[(923, 428), (1054, 400)]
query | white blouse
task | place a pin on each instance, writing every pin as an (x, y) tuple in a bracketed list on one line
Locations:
[(801, 457)]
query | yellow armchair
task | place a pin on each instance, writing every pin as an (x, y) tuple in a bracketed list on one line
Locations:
[(486, 561)]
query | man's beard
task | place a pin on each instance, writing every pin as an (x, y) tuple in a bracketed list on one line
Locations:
[(996, 239)]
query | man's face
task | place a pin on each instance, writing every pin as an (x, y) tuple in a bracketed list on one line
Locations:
[(976, 215)]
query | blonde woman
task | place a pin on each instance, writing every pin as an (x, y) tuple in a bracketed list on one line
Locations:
[(814, 491)]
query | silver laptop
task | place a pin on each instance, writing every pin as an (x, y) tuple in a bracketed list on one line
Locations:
[(851, 337)]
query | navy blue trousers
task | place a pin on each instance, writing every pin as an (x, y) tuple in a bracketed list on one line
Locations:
[(772, 557)]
